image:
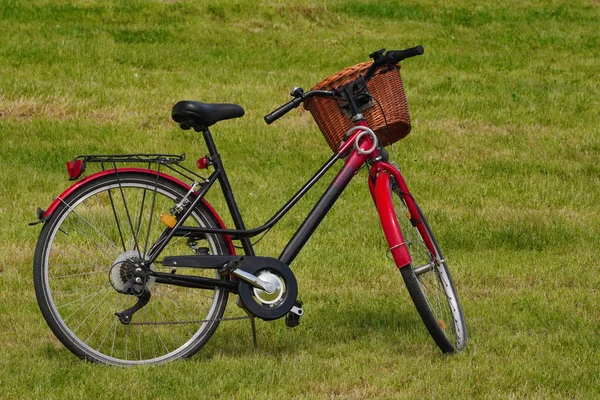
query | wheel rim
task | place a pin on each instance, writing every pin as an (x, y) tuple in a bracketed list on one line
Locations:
[(85, 243)]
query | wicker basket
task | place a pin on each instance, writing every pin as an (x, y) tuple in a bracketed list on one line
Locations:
[(386, 88)]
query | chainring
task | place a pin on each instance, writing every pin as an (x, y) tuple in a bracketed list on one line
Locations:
[(269, 306)]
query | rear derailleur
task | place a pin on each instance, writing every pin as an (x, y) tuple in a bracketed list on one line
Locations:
[(131, 277)]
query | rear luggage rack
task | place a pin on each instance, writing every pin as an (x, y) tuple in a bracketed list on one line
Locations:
[(141, 158), (77, 166)]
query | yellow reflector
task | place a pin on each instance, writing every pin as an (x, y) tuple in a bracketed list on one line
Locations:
[(168, 220), (442, 324)]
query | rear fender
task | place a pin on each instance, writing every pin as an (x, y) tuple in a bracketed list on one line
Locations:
[(64, 195)]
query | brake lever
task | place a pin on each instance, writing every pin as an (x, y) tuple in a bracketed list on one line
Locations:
[(377, 55), (388, 68), (297, 92)]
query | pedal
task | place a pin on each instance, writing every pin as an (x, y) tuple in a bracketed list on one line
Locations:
[(292, 319), (231, 266)]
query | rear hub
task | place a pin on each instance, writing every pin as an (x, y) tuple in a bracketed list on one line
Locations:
[(130, 275)]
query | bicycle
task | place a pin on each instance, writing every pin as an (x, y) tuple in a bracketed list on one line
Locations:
[(108, 261)]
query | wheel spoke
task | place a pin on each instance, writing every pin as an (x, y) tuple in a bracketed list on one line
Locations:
[(84, 298), (90, 313), (98, 326), (135, 241), (81, 274), (114, 210), (108, 331), (150, 219), (84, 220), (81, 306)]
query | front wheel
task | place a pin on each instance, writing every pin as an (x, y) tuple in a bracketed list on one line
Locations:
[(427, 278)]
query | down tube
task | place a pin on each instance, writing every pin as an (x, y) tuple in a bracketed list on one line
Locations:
[(314, 218)]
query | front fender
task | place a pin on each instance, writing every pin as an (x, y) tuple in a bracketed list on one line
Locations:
[(63, 196), (382, 195)]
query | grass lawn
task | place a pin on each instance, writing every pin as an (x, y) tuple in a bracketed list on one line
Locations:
[(504, 159)]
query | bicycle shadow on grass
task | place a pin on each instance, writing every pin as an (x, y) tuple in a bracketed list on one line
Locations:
[(322, 328), (325, 329)]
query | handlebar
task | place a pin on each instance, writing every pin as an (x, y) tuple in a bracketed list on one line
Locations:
[(300, 97), (393, 57), (282, 110), (380, 59)]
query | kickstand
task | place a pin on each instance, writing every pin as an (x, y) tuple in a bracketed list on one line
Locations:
[(253, 324)]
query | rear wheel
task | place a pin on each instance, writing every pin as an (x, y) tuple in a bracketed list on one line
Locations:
[(428, 279), (86, 255)]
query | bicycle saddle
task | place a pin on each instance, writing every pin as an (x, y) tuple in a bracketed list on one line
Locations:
[(201, 115)]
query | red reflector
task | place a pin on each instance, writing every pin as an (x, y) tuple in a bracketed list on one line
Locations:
[(202, 163), (75, 168)]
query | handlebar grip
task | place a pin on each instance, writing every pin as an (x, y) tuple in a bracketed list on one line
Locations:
[(281, 111), (395, 56)]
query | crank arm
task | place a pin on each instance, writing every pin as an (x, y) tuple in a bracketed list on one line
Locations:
[(253, 280), (233, 267)]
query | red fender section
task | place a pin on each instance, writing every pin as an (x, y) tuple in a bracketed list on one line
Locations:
[(389, 221), (150, 172)]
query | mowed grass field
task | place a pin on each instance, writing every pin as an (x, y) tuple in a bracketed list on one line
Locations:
[(504, 159)]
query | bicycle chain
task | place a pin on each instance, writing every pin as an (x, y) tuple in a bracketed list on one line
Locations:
[(254, 341), (192, 321)]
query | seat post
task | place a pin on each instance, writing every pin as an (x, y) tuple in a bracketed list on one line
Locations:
[(227, 191), (210, 143)]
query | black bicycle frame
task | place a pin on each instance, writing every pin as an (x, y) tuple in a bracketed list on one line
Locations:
[(240, 232)]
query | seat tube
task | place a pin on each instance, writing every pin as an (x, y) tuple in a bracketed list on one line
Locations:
[(227, 191)]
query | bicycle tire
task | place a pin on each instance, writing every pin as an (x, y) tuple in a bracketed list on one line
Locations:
[(80, 259), (428, 281)]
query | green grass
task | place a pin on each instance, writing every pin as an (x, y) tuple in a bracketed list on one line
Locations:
[(503, 158)]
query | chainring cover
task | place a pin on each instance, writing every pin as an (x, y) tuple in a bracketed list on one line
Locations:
[(268, 306)]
